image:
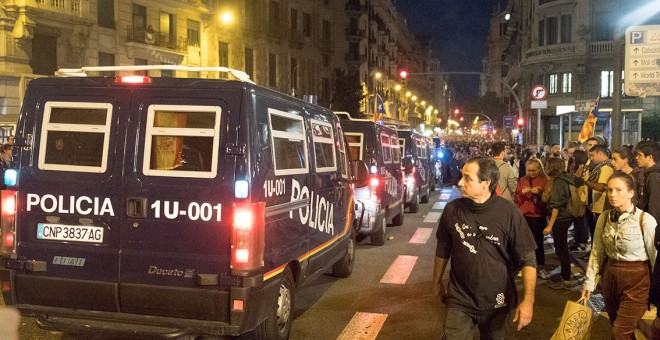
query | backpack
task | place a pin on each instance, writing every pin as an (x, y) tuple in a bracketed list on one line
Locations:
[(575, 206)]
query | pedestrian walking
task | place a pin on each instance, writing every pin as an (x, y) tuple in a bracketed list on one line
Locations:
[(508, 178), (528, 199), (622, 254), (560, 219), (487, 240)]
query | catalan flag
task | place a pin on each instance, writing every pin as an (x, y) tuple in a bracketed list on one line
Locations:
[(378, 109), (589, 126)]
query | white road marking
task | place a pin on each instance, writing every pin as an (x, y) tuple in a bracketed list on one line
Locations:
[(439, 206), (446, 191), (363, 326), (432, 217), (400, 270), (421, 235), (444, 197)]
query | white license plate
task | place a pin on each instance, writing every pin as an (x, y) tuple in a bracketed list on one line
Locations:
[(73, 233)]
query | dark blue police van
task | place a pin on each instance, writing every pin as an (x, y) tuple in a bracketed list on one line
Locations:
[(172, 207), (417, 168), (382, 200)]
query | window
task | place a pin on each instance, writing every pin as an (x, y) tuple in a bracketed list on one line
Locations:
[(541, 36), (75, 137), (223, 58), (294, 73), (553, 83), (418, 145), (193, 33), (274, 14), (402, 146), (272, 70), (606, 83), (106, 13), (182, 141), (249, 62), (307, 25), (552, 30), (326, 31), (396, 152), (294, 20), (139, 62), (566, 29), (324, 146), (355, 145), (566, 82), (343, 159), (385, 145), (139, 23), (106, 59), (167, 35), (289, 143)]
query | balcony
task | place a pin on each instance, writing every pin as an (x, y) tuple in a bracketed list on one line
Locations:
[(354, 32), (555, 52), (355, 58), (600, 48), (155, 38), (71, 7)]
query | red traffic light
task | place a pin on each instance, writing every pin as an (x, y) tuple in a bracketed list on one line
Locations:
[(403, 74), (521, 122), (461, 119), (457, 111)]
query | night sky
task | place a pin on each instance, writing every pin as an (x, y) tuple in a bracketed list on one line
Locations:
[(457, 30)]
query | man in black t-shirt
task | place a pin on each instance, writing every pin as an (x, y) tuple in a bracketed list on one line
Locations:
[(488, 241)]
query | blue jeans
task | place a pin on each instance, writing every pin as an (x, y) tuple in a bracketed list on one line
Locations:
[(459, 325)]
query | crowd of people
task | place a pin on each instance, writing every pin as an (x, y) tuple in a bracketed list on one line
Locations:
[(609, 199)]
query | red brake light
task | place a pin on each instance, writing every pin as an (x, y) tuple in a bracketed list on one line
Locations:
[(7, 221), (133, 80), (247, 237), (374, 182)]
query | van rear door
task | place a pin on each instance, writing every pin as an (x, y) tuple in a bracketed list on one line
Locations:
[(69, 208), (178, 191)]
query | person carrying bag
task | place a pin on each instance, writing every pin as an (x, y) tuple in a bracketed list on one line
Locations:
[(576, 322), (622, 256)]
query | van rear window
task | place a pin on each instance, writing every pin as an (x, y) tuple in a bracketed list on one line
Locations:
[(324, 147), (75, 136), (355, 145), (182, 141), (289, 143)]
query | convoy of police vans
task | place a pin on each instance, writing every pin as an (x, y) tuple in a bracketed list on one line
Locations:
[(186, 207), (418, 166)]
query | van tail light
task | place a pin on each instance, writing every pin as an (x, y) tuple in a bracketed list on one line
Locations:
[(133, 80), (247, 236), (7, 221), (374, 183)]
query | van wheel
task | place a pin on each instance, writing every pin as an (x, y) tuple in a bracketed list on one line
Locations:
[(425, 198), (344, 267), (278, 324), (378, 236), (398, 219), (414, 205)]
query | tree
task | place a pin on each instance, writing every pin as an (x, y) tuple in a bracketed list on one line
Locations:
[(347, 94), (651, 125)]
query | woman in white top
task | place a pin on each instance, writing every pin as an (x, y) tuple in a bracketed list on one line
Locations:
[(622, 254)]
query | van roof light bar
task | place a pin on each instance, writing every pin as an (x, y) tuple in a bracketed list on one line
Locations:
[(82, 72)]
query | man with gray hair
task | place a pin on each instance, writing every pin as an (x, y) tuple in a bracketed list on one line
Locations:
[(488, 241)]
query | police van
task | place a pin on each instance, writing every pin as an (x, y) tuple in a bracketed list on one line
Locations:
[(417, 168), (382, 200), (172, 207)]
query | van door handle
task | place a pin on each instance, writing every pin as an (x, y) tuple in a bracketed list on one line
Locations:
[(136, 207)]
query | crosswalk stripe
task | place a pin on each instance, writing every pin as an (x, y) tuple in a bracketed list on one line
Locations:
[(432, 217), (439, 205), (421, 235), (363, 326), (400, 270), (444, 197)]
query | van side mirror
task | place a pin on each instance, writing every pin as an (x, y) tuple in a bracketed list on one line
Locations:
[(360, 173), (407, 165)]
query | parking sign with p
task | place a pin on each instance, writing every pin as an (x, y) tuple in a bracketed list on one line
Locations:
[(637, 37)]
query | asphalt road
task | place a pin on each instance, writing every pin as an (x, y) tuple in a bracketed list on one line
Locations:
[(389, 294)]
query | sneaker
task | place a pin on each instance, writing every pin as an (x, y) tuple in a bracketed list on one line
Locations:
[(543, 274), (563, 284)]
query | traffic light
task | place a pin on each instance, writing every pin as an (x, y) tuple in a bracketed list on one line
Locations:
[(521, 122), (461, 119), (457, 111), (403, 74)]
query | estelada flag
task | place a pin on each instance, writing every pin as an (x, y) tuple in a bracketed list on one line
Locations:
[(590, 123)]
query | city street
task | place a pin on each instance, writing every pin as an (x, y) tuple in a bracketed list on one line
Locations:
[(389, 294)]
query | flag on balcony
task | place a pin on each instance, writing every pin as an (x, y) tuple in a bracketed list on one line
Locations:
[(378, 108), (590, 123)]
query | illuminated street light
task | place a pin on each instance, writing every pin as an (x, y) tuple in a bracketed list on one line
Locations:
[(378, 75), (397, 87), (227, 18), (414, 98), (408, 94), (423, 103)]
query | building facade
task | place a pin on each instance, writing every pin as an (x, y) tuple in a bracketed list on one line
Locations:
[(567, 46), (293, 46)]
